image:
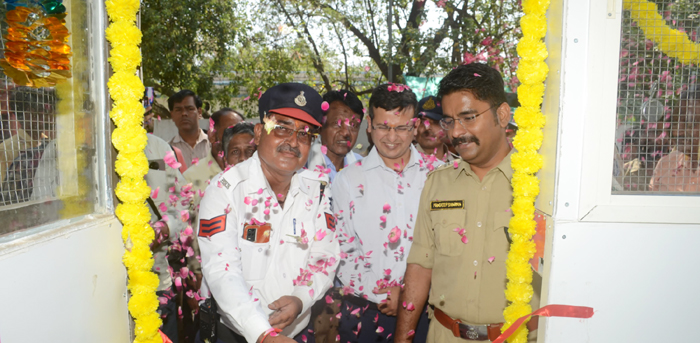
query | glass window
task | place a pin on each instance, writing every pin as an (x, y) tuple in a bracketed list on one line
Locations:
[(48, 115), (658, 104)]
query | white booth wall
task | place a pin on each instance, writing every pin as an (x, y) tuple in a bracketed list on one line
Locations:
[(625, 256)]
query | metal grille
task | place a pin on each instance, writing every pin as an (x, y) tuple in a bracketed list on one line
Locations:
[(27, 150), (656, 141)]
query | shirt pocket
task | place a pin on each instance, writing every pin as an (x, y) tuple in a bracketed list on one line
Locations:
[(447, 241), (501, 233), (254, 259)]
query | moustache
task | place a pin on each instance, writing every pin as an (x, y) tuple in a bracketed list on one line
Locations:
[(289, 148), (465, 139)]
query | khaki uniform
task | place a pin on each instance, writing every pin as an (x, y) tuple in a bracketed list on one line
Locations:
[(465, 285)]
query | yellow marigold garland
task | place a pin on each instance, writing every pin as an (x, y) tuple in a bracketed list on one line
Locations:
[(532, 72), (671, 42), (126, 89)]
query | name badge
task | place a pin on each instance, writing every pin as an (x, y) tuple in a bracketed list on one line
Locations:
[(446, 205)]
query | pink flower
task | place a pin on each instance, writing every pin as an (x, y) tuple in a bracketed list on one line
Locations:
[(324, 149), (387, 208), (329, 300), (395, 234), (154, 194), (320, 234), (383, 219), (184, 215), (367, 68), (162, 207), (465, 240), (325, 106), (380, 329), (410, 307), (266, 211), (171, 160)]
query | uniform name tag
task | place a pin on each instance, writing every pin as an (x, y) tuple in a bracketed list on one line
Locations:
[(446, 205)]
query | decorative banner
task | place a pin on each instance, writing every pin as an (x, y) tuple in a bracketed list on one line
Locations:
[(548, 311), (671, 42), (36, 53)]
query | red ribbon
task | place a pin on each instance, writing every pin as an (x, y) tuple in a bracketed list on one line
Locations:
[(548, 311)]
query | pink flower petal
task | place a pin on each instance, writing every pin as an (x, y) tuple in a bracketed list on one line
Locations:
[(325, 106), (491, 259), (465, 240), (324, 149), (171, 160), (154, 194)]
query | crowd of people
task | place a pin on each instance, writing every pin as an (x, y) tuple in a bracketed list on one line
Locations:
[(279, 232)]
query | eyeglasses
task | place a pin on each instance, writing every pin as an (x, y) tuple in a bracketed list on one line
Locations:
[(304, 136), (400, 129), (465, 120)]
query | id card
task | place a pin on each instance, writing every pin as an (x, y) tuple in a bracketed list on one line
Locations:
[(257, 233)]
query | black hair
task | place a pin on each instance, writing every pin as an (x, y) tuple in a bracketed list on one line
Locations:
[(237, 129), (180, 97), (216, 115), (348, 98), (400, 98), (481, 80)]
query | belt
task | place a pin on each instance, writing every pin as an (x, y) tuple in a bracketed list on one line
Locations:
[(360, 302), (470, 332)]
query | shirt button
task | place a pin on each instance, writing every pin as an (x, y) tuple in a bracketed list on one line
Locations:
[(483, 188), (475, 263), (478, 224), (260, 249), (284, 275)]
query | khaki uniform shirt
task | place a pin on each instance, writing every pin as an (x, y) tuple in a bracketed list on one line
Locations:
[(201, 149), (465, 285)]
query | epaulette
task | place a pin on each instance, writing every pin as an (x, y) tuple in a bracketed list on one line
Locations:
[(442, 167)]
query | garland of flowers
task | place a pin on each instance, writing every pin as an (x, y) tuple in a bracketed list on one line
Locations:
[(129, 138), (532, 72), (671, 42)]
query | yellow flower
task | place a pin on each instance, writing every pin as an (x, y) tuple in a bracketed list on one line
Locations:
[(124, 86), (534, 26), (122, 10), (134, 165), (132, 190), (129, 140), (530, 95), (133, 213), (532, 49), (127, 113), (528, 140), (125, 58), (537, 7), (528, 117), (532, 72), (124, 33)]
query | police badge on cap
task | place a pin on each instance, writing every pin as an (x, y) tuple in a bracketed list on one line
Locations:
[(295, 100)]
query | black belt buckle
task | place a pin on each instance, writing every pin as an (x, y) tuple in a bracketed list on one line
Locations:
[(473, 332)]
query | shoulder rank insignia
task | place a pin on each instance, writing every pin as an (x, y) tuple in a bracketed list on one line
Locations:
[(210, 227)]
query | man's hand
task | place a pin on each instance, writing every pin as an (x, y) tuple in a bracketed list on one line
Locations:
[(287, 308), (275, 339), (391, 306)]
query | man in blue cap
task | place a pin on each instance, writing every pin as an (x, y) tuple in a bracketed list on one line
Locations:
[(430, 137), (266, 227)]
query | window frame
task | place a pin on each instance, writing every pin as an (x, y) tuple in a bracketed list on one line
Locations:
[(102, 160), (587, 128)]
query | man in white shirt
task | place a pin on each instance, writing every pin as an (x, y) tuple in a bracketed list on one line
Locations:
[(186, 110), (376, 204), (341, 125), (266, 228)]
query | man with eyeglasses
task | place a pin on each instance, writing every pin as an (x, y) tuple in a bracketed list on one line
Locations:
[(266, 227), (341, 125), (461, 242), (186, 110), (430, 138), (376, 205)]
